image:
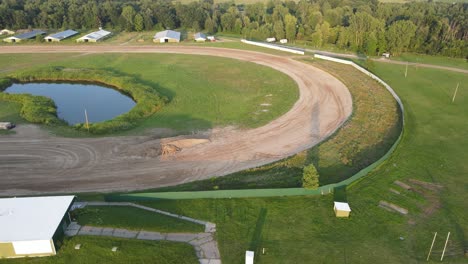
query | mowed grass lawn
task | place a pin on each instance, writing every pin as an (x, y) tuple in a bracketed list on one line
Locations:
[(98, 250), (133, 219), (204, 91), (304, 229), (436, 60)]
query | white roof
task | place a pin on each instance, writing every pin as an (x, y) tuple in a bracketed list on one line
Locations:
[(249, 257), (167, 34), (342, 206), (31, 218), (96, 35)]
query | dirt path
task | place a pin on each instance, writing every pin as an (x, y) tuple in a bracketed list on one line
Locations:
[(32, 162)]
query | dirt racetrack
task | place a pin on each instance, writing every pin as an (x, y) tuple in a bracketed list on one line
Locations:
[(31, 161)]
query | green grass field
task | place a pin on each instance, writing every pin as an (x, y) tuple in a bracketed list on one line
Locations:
[(98, 250), (436, 60), (367, 136), (133, 219), (204, 91), (10, 111), (304, 229)]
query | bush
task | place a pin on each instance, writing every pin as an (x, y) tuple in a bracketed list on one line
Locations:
[(310, 177), (38, 109)]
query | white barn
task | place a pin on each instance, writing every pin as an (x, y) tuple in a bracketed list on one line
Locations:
[(28, 35), (60, 35), (199, 37), (29, 226), (94, 36), (167, 36)]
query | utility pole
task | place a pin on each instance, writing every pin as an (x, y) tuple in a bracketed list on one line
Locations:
[(86, 117), (406, 71), (455, 94), (432, 245), (446, 241)]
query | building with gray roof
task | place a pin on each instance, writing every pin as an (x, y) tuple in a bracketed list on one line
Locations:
[(167, 36), (199, 37), (94, 36), (24, 36), (61, 35)]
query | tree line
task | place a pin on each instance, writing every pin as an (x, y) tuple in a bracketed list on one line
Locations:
[(366, 26)]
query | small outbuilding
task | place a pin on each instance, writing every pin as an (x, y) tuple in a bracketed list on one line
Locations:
[(95, 36), (386, 55), (25, 36), (31, 226), (6, 125), (199, 37), (57, 37), (341, 209), (6, 32), (271, 39), (283, 41), (167, 36), (211, 38), (249, 257)]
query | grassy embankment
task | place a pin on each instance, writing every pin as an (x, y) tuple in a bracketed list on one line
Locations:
[(203, 91), (299, 229), (133, 219), (367, 136), (40, 109), (98, 250)]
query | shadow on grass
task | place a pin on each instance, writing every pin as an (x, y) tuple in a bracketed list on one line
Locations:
[(256, 240)]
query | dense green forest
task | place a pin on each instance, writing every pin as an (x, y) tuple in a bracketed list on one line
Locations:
[(360, 25)]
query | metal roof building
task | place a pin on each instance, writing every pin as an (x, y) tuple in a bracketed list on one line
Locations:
[(94, 36), (199, 37), (29, 226), (27, 35), (167, 36), (61, 35)]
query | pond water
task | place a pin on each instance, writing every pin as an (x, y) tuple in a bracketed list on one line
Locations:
[(101, 103)]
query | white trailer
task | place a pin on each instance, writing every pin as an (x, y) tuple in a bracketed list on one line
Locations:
[(6, 125)]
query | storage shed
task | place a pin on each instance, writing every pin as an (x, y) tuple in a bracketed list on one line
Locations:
[(30, 226), (6, 125), (342, 209), (199, 37), (249, 257), (6, 32), (24, 36), (94, 36), (167, 36), (60, 35)]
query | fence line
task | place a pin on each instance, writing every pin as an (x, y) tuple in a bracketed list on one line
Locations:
[(280, 191), (271, 46)]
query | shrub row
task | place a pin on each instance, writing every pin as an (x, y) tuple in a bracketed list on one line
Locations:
[(38, 109)]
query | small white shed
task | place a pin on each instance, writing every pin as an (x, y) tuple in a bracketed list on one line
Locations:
[(6, 32), (271, 39), (283, 41), (249, 257), (199, 37), (341, 209)]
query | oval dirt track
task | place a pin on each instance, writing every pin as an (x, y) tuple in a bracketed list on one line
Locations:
[(33, 162)]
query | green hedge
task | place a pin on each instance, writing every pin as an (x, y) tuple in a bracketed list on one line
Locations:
[(38, 109)]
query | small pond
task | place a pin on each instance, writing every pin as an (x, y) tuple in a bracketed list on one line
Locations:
[(101, 103)]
